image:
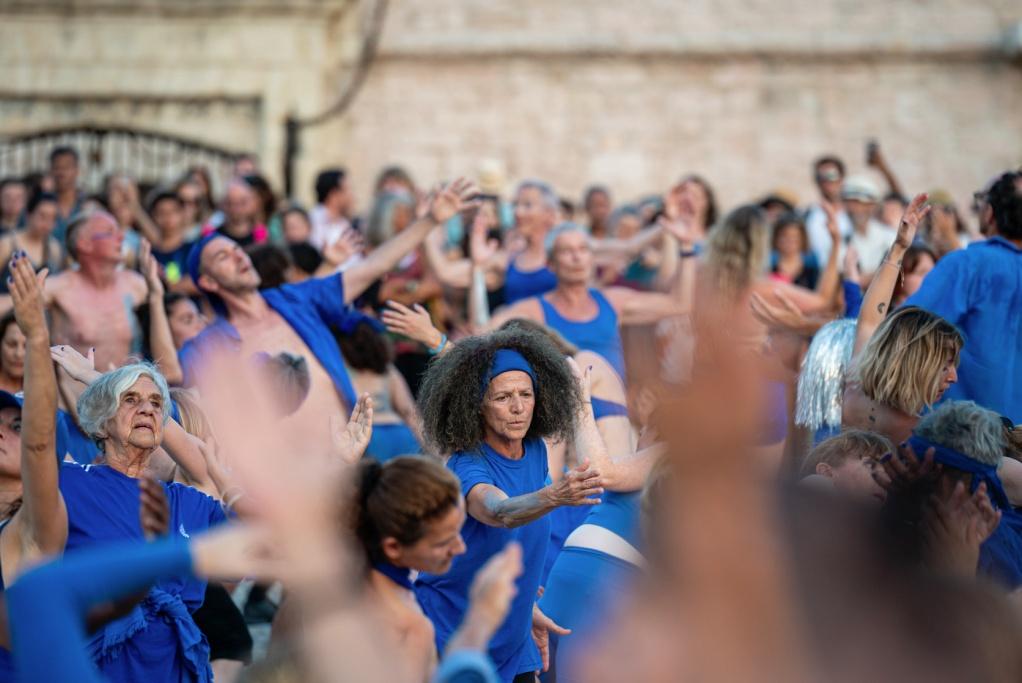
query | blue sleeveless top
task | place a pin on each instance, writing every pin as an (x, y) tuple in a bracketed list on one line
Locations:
[(605, 408), (619, 512), (522, 284), (599, 335)]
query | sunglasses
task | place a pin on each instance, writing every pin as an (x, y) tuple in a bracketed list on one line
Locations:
[(828, 176)]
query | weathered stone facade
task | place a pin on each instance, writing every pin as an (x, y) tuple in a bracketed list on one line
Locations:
[(634, 94)]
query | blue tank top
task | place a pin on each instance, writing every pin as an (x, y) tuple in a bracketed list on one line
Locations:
[(605, 408), (599, 335), (522, 284), (619, 512)]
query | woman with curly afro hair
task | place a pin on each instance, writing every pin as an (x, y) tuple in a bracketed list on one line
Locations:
[(489, 402)]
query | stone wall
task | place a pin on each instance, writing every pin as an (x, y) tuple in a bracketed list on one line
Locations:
[(745, 92), (634, 94)]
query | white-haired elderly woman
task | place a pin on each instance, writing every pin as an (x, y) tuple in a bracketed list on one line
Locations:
[(947, 474), (126, 411)]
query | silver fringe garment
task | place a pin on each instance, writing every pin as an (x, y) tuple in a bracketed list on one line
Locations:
[(821, 380)]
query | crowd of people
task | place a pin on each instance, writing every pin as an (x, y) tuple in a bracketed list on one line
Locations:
[(483, 433)]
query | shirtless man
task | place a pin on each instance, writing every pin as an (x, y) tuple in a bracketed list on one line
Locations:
[(296, 318), (93, 306)]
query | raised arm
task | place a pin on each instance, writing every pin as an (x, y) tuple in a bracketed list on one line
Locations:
[(161, 342), (620, 472), (42, 519), (878, 296), (493, 507), (878, 161), (612, 247), (441, 206)]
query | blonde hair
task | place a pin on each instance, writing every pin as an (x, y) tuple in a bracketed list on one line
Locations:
[(852, 443), (901, 364), (736, 251), (193, 419)]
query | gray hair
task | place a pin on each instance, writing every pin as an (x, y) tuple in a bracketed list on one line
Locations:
[(381, 219), (562, 229), (546, 192), (99, 402), (965, 427)]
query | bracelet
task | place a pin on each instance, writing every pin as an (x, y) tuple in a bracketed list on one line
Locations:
[(885, 262), (439, 347), (688, 254)]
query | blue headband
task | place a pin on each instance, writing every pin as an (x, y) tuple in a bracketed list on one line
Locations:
[(195, 257), (353, 318), (509, 360), (959, 461)]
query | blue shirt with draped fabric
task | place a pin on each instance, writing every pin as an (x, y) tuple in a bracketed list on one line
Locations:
[(979, 289), (158, 642), (309, 307)]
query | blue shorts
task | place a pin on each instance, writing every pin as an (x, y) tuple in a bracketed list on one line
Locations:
[(391, 440), (583, 589)]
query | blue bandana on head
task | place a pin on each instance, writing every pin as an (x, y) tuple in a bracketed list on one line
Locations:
[(193, 267), (353, 318), (980, 472), (195, 257), (509, 360)]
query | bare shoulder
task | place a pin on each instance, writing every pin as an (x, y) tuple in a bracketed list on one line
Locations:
[(133, 283)]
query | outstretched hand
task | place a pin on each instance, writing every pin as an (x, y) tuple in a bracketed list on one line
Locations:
[(451, 199), (577, 487), (481, 249), (542, 627), (79, 367), (413, 322), (150, 269), (900, 471), (26, 288), (344, 247), (910, 220), (958, 524), (351, 439)]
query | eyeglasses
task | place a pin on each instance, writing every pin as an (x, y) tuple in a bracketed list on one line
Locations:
[(828, 176)]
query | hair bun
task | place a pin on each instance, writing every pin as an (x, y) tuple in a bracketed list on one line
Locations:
[(370, 477)]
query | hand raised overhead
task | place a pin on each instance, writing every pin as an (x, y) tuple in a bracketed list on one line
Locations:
[(26, 289)]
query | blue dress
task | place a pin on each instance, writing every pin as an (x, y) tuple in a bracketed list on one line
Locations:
[(522, 284), (599, 335), (157, 642), (444, 598)]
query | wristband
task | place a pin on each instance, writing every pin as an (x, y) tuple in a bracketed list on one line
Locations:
[(439, 347), (688, 254)]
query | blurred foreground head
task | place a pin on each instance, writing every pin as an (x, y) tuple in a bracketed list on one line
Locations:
[(748, 581)]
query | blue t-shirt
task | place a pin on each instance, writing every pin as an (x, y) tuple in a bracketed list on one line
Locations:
[(444, 598), (979, 289), (71, 440), (175, 262), (157, 641), (310, 308)]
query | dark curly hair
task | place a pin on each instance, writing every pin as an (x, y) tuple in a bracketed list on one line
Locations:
[(1006, 202), (451, 392)]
